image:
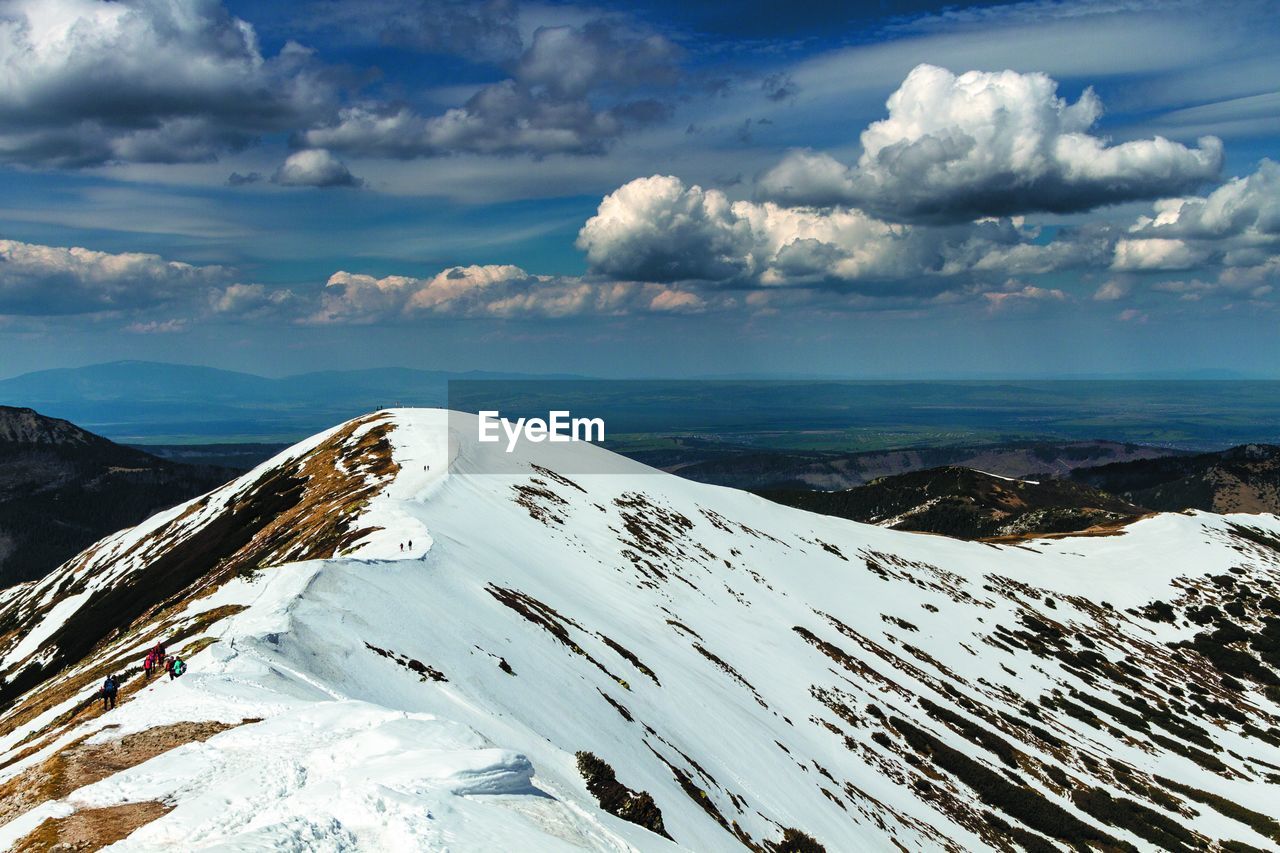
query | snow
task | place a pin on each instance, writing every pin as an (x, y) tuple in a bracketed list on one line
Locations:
[(32, 642), (356, 751), (1007, 479)]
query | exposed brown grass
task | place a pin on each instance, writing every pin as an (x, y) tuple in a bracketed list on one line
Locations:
[(80, 763), (90, 829)]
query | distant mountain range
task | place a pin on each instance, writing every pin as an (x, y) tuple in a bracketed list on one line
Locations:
[(758, 470), (968, 504), (62, 488), (150, 402)]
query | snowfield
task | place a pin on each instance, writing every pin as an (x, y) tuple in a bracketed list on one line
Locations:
[(755, 669)]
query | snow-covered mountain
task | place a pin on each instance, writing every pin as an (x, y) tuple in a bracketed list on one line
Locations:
[(726, 672)]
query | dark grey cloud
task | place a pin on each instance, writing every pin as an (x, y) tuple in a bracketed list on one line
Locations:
[(574, 90), (488, 30), (143, 81), (957, 148), (238, 179), (780, 87)]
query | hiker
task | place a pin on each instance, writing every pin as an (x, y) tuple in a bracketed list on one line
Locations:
[(410, 544), (177, 666), (149, 664), (110, 688), (168, 667)]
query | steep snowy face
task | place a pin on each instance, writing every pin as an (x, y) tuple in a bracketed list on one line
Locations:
[(390, 648)]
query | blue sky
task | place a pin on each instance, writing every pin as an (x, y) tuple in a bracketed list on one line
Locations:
[(667, 188)]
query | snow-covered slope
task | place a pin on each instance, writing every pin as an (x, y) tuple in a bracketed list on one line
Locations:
[(773, 679)]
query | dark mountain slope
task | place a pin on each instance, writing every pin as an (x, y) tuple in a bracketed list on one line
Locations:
[(966, 504), (62, 489), (1242, 479)]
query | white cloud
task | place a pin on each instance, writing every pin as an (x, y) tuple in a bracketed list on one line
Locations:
[(1236, 227), (1016, 294), (1111, 291), (957, 148), (1242, 207), (153, 294), (48, 280), (1156, 254), (660, 229), (251, 301), (499, 291), (314, 167), (158, 327)]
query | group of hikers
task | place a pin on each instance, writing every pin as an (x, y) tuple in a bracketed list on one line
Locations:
[(155, 660)]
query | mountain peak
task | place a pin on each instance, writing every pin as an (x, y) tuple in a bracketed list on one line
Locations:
[(21, 425)]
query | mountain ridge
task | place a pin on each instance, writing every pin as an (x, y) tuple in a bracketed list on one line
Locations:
[(1240, 479), (379, 669)]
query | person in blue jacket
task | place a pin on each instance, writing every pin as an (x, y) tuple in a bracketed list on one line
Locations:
[(110, 688)]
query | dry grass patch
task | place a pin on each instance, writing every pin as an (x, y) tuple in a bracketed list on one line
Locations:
[(90, 829), (80, 763)]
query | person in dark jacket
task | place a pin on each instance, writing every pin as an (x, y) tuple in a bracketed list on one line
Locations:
[(110, 688)]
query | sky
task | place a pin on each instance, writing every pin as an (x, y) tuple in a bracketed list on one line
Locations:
[(651, 189)]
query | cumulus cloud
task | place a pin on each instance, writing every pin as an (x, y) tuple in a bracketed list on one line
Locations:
[(548, 105), (314, 167), (1156, 254), (152, 294), (158, 327), (660, 229), (1111, 291), (1016, 294), (957, 148), (497, 291), (251, 301), (47, 280), (1238, 223), (1242, 206), (89, 82)]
